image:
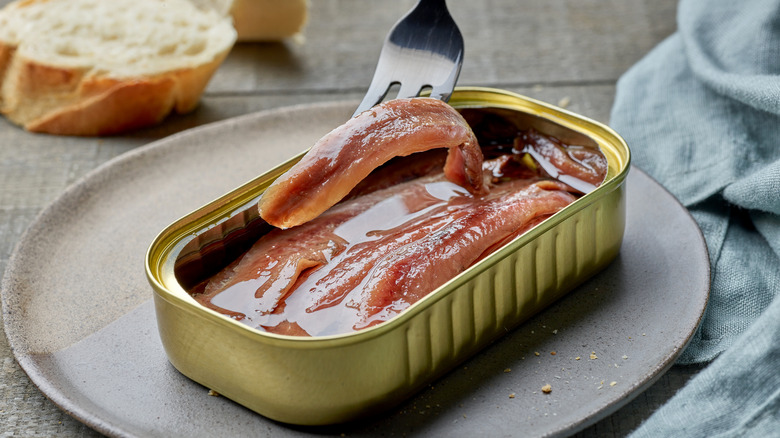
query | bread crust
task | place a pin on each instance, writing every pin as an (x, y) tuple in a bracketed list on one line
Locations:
[(128, 105), (108, 106), (87, 101), (268, 20), (262, 20)]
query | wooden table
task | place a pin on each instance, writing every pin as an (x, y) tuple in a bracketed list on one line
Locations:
[(567, 52)]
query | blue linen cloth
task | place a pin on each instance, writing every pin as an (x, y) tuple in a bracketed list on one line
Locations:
[(701, 113)]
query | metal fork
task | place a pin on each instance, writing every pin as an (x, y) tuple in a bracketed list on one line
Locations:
[(424, 49)]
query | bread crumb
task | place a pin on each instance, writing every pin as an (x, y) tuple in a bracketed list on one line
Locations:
[(213, 393), (552, 353), (547, 389), (536, 353), (512, 395), (593, 355), (577, 358), (555, 332), (508, 370), (612, 383), (564, 102), (625, 357)]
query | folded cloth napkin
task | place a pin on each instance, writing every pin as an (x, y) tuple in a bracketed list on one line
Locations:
[(701, 113)]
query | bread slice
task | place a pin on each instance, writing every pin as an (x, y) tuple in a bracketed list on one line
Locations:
[(97, 67), (262, 20)]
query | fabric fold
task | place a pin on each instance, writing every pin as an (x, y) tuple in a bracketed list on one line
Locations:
[(680, 110), (701, 113)]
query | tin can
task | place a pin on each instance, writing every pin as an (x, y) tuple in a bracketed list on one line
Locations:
[(333, 379)]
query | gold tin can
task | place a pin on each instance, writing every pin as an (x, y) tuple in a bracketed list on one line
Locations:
[(333, 379)]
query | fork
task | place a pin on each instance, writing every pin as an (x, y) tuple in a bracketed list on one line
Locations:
[(424, 49)]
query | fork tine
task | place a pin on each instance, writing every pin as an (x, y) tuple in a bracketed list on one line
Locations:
[(410, 89), (380, 83), (374, 95), (443, 91)]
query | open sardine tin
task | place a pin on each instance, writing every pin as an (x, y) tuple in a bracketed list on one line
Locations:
[(333, 379)]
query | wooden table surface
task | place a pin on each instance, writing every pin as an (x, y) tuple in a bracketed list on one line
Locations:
[(566, 52)]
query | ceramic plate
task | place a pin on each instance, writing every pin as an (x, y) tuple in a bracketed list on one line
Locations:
[(79, 317)]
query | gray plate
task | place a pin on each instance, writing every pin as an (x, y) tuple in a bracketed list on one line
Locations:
[(79, 317)]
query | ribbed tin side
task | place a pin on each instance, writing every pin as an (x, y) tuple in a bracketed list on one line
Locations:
[(521, 284)]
